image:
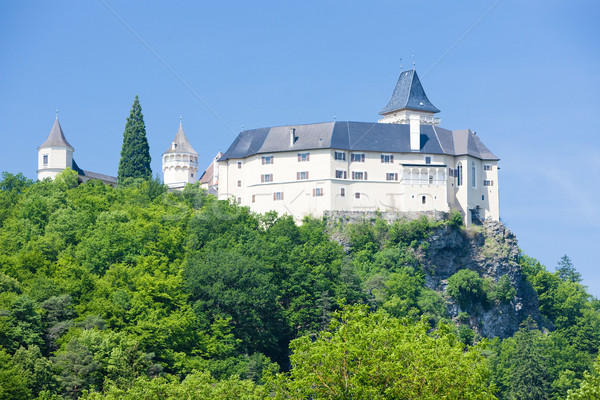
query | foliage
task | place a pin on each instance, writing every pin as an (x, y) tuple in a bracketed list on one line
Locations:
[(135, 153), (566, 270), (135, 292), (466, 287), (589, 388), (373, 356)]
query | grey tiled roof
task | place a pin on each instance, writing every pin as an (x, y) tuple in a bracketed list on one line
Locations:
[(409, 94), (56, 138), (93, 175), (182, 145), (102, 177), (356, 136)]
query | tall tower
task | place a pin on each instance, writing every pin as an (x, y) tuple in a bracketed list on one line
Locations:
[(180, 162), (409, 100), (55, 154)]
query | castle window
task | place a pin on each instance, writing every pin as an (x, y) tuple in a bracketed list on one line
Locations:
[(342, 192), (357, 195), (431, 179), (239, 200), (487, 167), (318, 192), (357, 157), (239, 183), (303, 157), (239, 164), (277, 195), (427, 160), (340, 174), (267, 160), (473, 180), (482, 197), (391, 176), (387, 158), (488, 183), (339, 156), (253, 198), (302, 175), (359, 175), (192, 175), (45, 159), (423, 199), (459, 174), (266, 178)]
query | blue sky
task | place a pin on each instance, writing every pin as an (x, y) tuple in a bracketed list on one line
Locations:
[(525, 77)]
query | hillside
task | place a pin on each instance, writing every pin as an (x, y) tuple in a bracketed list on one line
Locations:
[(108, 293)]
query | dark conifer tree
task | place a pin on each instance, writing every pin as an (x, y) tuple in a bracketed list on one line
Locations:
[(135, 153)]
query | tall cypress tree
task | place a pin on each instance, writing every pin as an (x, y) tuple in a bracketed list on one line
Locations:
[(135, 153)]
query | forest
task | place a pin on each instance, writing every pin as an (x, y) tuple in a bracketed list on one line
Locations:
[(139, 293)]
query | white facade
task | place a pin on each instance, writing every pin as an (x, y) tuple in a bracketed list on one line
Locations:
[(53, 160), (311, 182)]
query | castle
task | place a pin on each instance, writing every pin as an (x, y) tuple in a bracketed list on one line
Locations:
[(405, 162)]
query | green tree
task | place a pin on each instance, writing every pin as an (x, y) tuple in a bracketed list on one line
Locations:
[(373, 356), (467, 288), (521, 367), (135, 153), (566, 270), (589, 388)]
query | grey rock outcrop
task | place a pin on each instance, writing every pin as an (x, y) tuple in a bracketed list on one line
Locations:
[(492, 251)]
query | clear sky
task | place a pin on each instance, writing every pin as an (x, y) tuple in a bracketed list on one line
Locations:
[(523, 74)]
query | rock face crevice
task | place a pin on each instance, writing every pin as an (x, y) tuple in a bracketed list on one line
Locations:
[(492, 251)]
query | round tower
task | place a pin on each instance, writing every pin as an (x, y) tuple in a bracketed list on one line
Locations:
[(180, 162), (55, 154)]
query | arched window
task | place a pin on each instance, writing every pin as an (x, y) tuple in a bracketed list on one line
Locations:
[(423, 199), (459, 177)]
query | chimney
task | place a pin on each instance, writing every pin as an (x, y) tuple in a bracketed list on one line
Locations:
[(292, 136), (415, 132)]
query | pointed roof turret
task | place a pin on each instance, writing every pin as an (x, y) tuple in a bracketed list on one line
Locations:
[(180, 143), (56, 138), (409, 94)]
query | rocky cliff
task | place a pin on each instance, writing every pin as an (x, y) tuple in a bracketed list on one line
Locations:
[(490, 250)]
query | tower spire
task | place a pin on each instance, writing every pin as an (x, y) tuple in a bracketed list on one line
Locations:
[(56, 112), (180, 120)]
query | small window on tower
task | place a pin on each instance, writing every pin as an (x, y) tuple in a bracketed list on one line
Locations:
[(192, 175), (239, 164), (45, 159)]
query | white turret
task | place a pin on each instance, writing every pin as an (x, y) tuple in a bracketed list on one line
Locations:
[(180, 162), (55, 154)]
